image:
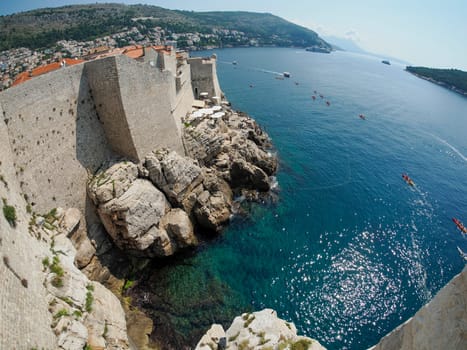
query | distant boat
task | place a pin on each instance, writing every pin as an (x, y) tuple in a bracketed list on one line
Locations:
[(362, 117), (459, 225), (234, 63), (386, 62), (286, 74), (328, 103), (318, 49)]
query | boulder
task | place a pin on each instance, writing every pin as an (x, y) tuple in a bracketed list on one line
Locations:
[(247, 175), (113, 182), (173, 174), (178, 226), (76, 231), (132, 218), (251, 153), (212, 211)]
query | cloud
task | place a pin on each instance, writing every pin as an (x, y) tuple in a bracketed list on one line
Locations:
[(352, 35)]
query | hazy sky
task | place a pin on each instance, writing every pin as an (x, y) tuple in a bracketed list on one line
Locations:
[(423, 32)]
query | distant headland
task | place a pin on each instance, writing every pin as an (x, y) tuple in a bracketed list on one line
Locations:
[(452, 79)]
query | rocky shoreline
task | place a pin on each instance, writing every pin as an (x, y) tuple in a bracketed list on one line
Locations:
[(161, 206), (169, 204)]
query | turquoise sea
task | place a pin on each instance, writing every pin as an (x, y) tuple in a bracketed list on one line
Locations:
[(349, 250)]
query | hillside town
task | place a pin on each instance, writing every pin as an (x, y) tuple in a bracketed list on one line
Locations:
[(16, 61)]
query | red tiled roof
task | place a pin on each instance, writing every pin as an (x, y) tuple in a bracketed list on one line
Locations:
[(134, 52), (25, 76)]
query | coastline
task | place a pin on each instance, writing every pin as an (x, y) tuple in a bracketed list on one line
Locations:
[(440, 83)]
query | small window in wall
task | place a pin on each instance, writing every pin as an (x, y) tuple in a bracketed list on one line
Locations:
[(196, 93)]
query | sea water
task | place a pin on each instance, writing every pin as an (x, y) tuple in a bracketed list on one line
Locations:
[(349, 251)]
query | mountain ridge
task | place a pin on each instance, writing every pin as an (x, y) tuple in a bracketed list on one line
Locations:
[(44, 27)]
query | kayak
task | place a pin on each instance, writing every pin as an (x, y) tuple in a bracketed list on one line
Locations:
[(408, 180), (459, 225)]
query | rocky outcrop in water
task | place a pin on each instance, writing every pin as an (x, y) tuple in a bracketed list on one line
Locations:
[(152, 209), (256, 331)]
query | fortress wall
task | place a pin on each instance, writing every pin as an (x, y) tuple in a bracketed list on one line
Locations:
[(55, 135), (440, 324), (104, 82), (185, 97), (147, 97), (217, 87), (24, 317), (204, 77)]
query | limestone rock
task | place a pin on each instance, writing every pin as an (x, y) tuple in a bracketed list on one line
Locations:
[(112, 182), (84, 312), (257, 331), (132, 218), (73, 334), (175, 175), (250, 152), (244, 174), (212, 211), (163, 244), (85, 250), (214, 339), (106, 322), (178, 226), (71, 219)]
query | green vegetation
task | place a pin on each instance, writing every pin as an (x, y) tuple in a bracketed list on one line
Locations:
[(445, 77), (302, 344), (106, 330), (128, 284), (61, 313), (244, 345), (44, 27), (249, 318), (9, 212), (55, 268), (89, 298), (46, 262)]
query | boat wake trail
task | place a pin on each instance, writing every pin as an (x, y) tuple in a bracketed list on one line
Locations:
[(454, 149), (266, 71)]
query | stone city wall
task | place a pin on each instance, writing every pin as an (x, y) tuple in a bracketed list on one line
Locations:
[(23, 304), (440, 324), (55, 135), (204, 77)]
